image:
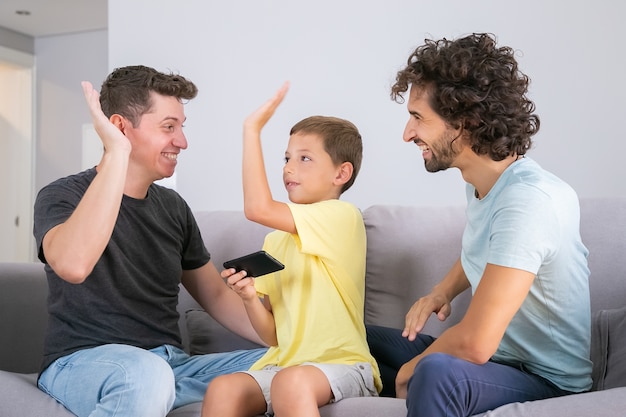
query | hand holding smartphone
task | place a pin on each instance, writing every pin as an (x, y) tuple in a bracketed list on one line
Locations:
[(255, 264)]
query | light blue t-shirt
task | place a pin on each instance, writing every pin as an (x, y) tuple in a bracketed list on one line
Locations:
[(530, 220)]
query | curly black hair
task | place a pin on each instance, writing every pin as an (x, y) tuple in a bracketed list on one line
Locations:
[(474, 84), (126, 91)]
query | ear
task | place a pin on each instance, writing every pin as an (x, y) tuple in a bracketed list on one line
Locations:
[(344, 173), (120, 122)]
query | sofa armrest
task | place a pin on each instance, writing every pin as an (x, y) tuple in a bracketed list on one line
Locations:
[(23, 315)]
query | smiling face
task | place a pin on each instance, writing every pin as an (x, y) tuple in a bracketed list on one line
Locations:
[(435, 138), (309, 173), (157, 139)]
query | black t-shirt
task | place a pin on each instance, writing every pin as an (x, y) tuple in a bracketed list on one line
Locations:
[(131, 295)]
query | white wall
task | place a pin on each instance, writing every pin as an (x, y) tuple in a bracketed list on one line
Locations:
[(341, 58), (62, 62)]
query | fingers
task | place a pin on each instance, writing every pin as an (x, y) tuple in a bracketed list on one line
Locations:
[(92, 97), (279, 96), (240, 283), (227, 272), (93, 102), (261, 116), (87, 89), (418, 315), (236, 280)]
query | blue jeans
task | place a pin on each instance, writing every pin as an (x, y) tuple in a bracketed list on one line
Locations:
[(443, 385), (126, 381)]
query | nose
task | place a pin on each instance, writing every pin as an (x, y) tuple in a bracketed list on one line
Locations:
[(409, 134), (288, 167), (180, 140)]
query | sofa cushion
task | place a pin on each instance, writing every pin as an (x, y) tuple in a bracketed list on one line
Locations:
[(208, 336), (608, 348), (20, 397), (608, 403)]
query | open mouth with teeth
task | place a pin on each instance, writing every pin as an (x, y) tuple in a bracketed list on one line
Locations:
[(423, 147), (170, 156)]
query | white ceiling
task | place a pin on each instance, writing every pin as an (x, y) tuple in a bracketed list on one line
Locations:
[(53, 17)]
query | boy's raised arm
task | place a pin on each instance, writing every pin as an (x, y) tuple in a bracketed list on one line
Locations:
[(259, 205)]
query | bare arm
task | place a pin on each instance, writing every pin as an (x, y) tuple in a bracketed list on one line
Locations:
[(476, 338), (73, 247), (259, 205), (207, 287), (260, 312)]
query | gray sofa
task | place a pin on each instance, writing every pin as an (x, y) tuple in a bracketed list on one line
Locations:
[(409, 249)]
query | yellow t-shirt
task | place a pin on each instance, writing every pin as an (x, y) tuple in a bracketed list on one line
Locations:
[(318, 299)]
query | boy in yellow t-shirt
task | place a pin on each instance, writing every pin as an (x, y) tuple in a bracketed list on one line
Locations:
[(311, 313)]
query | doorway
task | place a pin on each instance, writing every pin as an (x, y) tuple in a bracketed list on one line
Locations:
[(16, 142)]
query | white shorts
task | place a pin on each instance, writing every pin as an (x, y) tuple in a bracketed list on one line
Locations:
[(345, 381)]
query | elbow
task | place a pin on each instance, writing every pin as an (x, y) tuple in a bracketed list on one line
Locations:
[(254, 213), (477, 351), (479, 356), (74, 273)]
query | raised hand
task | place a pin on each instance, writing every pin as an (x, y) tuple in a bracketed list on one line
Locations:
[(111, 136), (255, 121)]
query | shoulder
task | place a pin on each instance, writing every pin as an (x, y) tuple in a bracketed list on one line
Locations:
[(71, 186), (529, 184), (326, 208)]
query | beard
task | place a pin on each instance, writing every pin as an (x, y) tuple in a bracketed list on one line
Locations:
[(443, 154)]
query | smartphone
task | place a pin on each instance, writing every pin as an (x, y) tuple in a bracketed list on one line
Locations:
[(255, 264)]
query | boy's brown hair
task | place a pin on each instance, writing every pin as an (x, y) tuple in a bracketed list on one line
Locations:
[(342, 141)]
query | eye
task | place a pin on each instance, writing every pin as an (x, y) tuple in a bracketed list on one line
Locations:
[(305, 158), (286, 159)]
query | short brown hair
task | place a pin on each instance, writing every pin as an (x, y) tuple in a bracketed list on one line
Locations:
[(342, 141), (126, 91)]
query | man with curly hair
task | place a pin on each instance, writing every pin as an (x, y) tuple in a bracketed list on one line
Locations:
[(526, 333)]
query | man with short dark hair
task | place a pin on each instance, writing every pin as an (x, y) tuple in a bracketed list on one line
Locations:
[(116, 247)]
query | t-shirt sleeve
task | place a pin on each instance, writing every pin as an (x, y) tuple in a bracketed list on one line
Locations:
[(54, 204), (523, 235), (195, 253), (325, 228)]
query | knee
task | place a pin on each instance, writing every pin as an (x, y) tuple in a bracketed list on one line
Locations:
[(432, 373), (140, 365), (222, 387), (289, 382), (142, 374)]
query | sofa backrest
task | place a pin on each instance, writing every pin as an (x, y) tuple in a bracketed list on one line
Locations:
[(410, 248), (603, 230)]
